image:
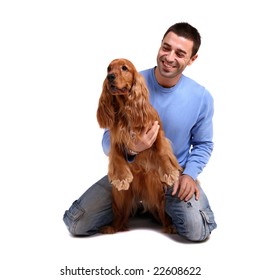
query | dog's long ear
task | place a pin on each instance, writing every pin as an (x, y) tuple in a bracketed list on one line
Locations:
[(138, 105), (105, 111)]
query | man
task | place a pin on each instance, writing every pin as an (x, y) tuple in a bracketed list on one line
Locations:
[(186, 111)]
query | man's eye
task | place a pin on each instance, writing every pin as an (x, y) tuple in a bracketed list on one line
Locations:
[(124, 68), (180, 55), (165, 49)]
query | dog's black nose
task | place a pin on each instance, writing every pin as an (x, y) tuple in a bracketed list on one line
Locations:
[(111, 77)]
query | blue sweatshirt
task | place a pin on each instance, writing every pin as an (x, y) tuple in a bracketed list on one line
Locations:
[(186, 112)]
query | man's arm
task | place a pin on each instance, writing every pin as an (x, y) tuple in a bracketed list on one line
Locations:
[(201, 140), (142, 142)]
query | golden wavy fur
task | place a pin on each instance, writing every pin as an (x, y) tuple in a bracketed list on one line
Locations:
[(124, 109)]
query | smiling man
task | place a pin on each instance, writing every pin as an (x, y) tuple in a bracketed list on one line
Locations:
[(176, 52), (186, 111)]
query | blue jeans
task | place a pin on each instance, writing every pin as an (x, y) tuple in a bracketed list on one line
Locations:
[(193, 220)]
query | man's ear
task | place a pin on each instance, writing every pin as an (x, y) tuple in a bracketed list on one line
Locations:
[(193, 59)]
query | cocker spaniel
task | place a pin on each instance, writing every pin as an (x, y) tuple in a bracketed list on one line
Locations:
[(125, 110)]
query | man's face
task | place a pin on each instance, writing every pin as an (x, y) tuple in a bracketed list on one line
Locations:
[(174, 55)]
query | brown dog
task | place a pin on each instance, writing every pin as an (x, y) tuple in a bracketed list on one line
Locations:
[(125, 110)]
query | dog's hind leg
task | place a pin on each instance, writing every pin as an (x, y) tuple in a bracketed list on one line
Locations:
[(122, 208)]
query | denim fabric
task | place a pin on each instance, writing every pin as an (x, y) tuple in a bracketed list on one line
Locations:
[(193, 220), (91, 211)]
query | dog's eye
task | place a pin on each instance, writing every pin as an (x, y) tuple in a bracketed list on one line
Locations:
[(124, 68), (108, 69)]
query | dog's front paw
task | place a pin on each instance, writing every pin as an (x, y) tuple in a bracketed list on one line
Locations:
[(122, 184), (171, 178)]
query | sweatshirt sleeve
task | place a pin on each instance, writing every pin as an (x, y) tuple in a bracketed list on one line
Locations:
[(106, 142), (201, 141)]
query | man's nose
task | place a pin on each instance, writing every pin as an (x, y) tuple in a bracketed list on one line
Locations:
[(171, 56)]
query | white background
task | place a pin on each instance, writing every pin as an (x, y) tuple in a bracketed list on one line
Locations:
[(53, 60)]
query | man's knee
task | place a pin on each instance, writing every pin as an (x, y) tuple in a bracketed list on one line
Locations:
[(199, 228), (200, 233), (73, 219), (87, 221)]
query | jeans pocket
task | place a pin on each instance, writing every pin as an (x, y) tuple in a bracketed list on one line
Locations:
[(208, 217), (72, 215)]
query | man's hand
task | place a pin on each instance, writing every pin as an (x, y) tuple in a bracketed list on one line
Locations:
[(187, 187), (146, 139)]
